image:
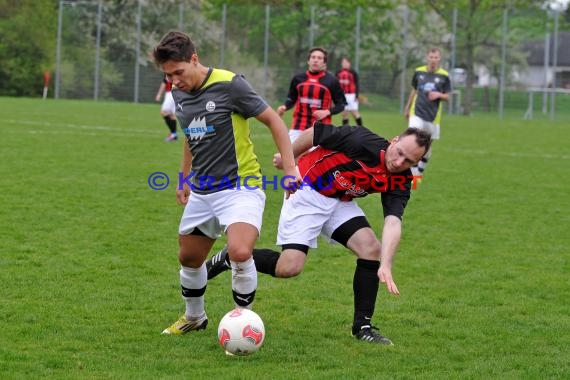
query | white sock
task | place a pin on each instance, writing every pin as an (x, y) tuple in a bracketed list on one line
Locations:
[(422, 166), (424, 161), (194, 280), (244, 282), (415, 171)]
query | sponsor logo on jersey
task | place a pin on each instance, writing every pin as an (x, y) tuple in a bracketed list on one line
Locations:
[(350, 186), (427, 87), (197, 129), (312, 102)]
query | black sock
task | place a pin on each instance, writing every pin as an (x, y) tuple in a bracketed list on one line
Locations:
[(172, 125), (265, 260), (167, 121), (359, 121), (365, 287), (243, 300), (345, 121)]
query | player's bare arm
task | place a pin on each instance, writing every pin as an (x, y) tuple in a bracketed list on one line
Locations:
[(160, 92), (302, 144), (434, 95), (391, 234), (183, 194), (409, 104), (281, 137)]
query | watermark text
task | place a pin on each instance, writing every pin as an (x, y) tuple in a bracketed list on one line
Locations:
[(354, 184)]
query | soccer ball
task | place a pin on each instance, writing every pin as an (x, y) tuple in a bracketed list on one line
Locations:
[(241, 332)]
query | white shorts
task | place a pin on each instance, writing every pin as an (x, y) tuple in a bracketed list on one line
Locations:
[(419, 123), (213, 213), (306, 214), (351, 102), (168, 105), (294, 133)]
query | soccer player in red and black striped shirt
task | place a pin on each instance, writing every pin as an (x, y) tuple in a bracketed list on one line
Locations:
[(349, 82), (167, 109), (316, 95), (346, 163)]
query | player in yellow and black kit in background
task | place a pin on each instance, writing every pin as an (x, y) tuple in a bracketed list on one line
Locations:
[(430, 85)]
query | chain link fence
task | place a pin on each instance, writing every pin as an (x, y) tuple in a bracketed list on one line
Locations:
[(496, 63)]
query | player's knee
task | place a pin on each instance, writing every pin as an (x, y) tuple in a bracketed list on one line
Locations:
[(239, 253), (288, 271), (370, 251), (289, 267), (189, 260)]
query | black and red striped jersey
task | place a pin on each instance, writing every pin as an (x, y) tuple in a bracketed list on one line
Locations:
[(310, 92), (348, 163), (348, 80)]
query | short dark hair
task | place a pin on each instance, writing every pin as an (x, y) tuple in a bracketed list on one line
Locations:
[(434, 50), (174, 46), (423, 138), (322, 50)]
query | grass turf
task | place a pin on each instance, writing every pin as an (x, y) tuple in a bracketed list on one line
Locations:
[(89, 271)]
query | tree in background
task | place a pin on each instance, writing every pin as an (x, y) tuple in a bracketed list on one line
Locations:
[(27, 45), (384, 54), (478, 39), (290, 23), (28, 32)]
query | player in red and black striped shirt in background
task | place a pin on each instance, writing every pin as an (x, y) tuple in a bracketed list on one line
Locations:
[(167, 109), (316, 95), (349, 82)]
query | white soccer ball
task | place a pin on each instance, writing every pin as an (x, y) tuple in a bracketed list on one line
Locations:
[(241, 332)]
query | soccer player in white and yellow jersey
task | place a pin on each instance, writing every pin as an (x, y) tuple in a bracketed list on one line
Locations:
[(221, 187), (430, 85)]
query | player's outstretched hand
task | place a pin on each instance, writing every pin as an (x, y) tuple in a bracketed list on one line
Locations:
[(385, 276)]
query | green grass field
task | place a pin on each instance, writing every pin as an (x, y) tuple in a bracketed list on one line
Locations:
[(89, 270)]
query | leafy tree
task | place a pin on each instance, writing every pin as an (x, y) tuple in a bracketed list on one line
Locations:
[(479, 26), (382, 53), (290, 23), (27, 45), (28, 31)]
